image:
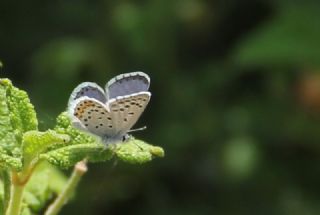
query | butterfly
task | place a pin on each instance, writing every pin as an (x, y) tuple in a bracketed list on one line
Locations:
[(110, 113)]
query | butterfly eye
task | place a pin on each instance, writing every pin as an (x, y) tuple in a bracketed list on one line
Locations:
[(125, 137)]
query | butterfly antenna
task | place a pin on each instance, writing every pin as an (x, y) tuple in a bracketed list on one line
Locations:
[(138, 129)]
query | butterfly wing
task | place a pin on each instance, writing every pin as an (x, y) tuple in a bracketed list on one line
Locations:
[(126, 84), (92, 115), (127, 110), (89, 89)]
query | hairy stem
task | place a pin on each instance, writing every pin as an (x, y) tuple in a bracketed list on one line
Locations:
[(18, 183), (16, 194), (78, 171)]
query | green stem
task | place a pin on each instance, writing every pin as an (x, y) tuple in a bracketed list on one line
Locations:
[(18, 183), (78, 171), (16, 194)]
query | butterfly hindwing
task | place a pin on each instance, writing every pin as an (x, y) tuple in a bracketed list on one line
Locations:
[(126, 84), (94, 116)]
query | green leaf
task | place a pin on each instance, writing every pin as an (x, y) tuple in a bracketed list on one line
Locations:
[(17, 116), (7, 161), (136, 151), (68, 156), (36, 142), (80, 146), (84, 146)]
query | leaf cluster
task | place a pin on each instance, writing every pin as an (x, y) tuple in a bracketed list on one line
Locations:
[(28, 152)]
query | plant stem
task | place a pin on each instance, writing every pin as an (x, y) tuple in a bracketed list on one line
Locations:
[(16, 194), (78, 171)]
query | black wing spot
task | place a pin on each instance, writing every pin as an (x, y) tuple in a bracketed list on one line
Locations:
[(110, 126)]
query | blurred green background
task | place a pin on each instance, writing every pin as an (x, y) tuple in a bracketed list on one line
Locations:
[(235, 97)]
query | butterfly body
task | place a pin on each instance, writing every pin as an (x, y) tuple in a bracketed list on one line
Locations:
[(110, 114)]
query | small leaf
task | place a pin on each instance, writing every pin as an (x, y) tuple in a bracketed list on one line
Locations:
[(7, 161), (68, 156), (83, 145), (136, 151), (36, 142)]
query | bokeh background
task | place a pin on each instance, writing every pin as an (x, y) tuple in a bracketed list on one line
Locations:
[(235, 97)]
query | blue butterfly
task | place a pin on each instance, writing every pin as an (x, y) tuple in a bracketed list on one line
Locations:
[(110, 114)]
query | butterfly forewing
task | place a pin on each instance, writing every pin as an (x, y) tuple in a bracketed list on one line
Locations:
[(89, 89), (95, 116), (126, 84), (127, 110)]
